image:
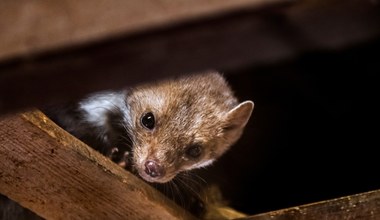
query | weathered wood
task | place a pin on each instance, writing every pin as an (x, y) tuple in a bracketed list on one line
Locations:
[(363, 206), (58, 177), (34, 26), (151, 50)]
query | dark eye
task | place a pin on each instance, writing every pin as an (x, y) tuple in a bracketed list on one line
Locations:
[(147, 120), (193, 151)]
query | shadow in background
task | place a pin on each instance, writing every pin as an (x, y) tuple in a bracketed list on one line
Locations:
[(313, 135)]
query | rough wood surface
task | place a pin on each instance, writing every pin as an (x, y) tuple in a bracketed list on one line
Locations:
[(58, 177), (364, 206), (249, 36), (32, 26)]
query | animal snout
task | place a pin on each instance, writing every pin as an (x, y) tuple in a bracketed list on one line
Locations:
[(153, 169)]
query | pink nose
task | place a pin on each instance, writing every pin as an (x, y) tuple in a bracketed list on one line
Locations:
[(153, 169)]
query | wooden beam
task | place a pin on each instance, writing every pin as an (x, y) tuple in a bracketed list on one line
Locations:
[(221, 39), (363, 206), (55, 175), (125, 44), (34, 26)]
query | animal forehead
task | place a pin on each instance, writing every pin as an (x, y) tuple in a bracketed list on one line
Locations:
[(183, 105), (191, 124), (175, 102)]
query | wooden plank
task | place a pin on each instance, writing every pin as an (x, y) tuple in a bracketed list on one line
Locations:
[(58, 177), (34, 26), (37, 78), (247, 37), (363, 206)]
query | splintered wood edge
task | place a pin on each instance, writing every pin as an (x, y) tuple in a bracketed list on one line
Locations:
[(363, 206), (55, 175)]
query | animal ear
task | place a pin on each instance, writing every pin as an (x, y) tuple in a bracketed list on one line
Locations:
[(235, 121)]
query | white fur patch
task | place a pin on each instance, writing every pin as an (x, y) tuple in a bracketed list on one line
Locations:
[(202, 164), (97, 106)]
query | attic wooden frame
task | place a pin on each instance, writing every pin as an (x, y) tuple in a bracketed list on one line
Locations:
[(77, 182), (58, 177)]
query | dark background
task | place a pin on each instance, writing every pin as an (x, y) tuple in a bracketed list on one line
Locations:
[(313, 134)]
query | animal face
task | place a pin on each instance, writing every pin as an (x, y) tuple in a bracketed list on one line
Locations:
[(183, 124)]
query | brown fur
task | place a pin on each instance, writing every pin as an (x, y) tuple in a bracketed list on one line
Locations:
[(199, 109)]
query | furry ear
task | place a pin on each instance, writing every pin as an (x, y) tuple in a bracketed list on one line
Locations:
[(235, 121)]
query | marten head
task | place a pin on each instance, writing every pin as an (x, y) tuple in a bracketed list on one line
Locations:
[(183, 124)]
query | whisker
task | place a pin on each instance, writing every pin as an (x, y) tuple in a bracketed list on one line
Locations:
[(178, 194), (192, 188)]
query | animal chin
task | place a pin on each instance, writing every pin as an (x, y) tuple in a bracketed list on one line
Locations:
[(162, 179), (153, 178)]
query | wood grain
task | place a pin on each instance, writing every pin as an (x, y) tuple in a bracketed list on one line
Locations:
[(58, 177), (250, 36), (35, 26), (363, 206)]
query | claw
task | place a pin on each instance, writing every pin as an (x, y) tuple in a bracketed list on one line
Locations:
[(114, 150)]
